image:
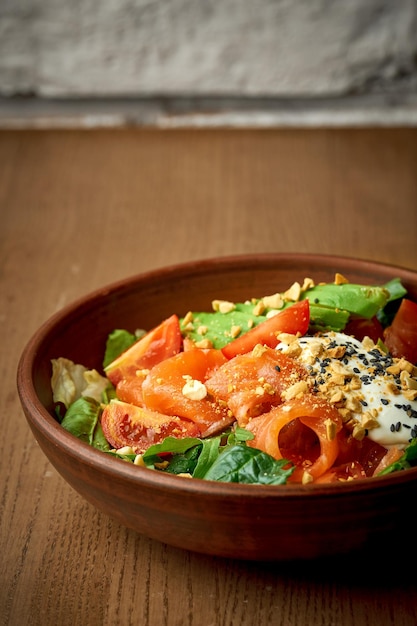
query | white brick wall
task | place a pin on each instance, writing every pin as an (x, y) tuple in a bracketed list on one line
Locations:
[(296, 48)]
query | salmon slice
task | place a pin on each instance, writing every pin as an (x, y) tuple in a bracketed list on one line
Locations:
[(304, 431), (176, 386), (251, 384)]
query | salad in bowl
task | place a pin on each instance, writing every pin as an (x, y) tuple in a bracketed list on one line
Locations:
[(311, 385)]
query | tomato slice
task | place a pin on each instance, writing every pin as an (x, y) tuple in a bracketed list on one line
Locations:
[(342, 473), (294, 319), (124, 424), (401, 337), (392, 455), (360, 327), (158, 344), (364, 451)]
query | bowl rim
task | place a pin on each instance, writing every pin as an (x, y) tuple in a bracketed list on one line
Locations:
[(40, 419)]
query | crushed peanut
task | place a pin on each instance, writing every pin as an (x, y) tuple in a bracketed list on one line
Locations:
[(293, 293), (339, 279), (223, 306), (259, 308), (275, 301)]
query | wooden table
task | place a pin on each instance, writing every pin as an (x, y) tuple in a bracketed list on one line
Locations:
[(81, 209)]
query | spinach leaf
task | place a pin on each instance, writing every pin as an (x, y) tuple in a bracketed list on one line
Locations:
[(209, 452), (396, 292), (241, 464), (168, 445), (82, 420), (184, 463), (117, 342)]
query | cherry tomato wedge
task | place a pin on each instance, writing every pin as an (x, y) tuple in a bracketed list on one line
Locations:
[(294, 319), (158, 344), (360, 327), (401, 337), (124, 424)]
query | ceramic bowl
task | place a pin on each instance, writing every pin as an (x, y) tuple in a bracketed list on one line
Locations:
[(228, 520)]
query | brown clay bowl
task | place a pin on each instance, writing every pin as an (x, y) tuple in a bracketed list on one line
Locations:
[(228, 520)]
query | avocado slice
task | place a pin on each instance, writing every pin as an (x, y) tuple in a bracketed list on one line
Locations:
[(331, 306), (362, 300)]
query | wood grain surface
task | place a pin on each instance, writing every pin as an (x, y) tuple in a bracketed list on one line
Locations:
[(80, 209)]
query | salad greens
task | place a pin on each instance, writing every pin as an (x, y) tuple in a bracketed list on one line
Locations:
[(225, 458), (118, 341), (82, 420)]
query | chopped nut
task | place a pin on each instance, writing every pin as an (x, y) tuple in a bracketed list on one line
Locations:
[(188, 318), (369, 422), (259, 308), (235, 331), (337, 352), (339, 279), (407, 381), (202, 330), (345, 413), (359, 432), (331, 429), (296, 389), (294, 349), (161, 465), (410, 394), (258, 350), (293, 293), (273, 302), (204, 344), (223, 306), (336, 397), (125, 450), (368, 343), (307, 478), (139, 461), (308, 283), (286, 337)]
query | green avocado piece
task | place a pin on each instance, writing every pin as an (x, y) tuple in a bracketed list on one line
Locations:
[(330, 308), (324, 318), (361, 300), (217, 327)]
